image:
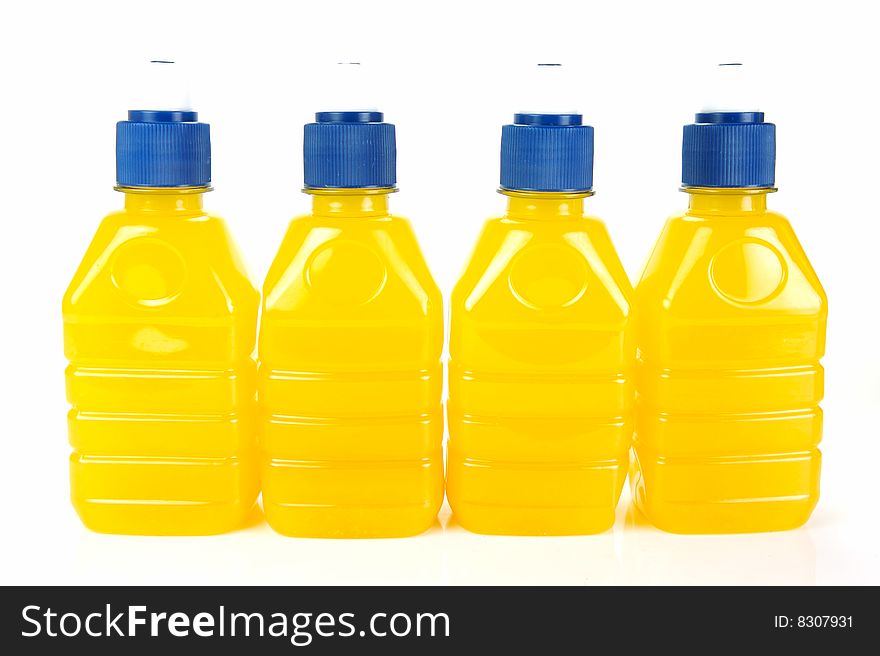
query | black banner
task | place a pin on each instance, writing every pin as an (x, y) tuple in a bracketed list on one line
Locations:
[(405, 620)]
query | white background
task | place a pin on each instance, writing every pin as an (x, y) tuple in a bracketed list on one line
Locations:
[(447, 76)]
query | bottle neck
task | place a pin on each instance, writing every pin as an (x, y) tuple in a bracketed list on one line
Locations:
[(186, 200), (544, 204), (727, 201), (355, 203)]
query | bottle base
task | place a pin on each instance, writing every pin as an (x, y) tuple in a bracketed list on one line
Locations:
[(708, 519), (534, 498), (342, 522), (352, 499), (524, 521), (162, 518), (740, 500), (163, 496)]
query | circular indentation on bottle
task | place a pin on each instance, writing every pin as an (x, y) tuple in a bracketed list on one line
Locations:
[(148, 270), (748, 271), (345, 272), (548, 276)]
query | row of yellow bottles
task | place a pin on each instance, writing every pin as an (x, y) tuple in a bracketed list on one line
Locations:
[(555, 362), (174, 428)]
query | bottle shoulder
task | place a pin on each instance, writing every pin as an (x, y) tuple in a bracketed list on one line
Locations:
[(162, 219), (720, 220), (390, 229), (350, 265), (750, 263), (544, 267), (162, 264)]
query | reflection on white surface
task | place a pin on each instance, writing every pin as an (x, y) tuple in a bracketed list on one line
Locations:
[(258, 556), (399, 561), (499, 560), (652, 557), (631, 553)]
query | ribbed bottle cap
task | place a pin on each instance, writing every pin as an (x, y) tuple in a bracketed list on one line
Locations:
[(729, 144), (349, 149), (163, 149), (547, 152), (729, 149), (164, 146)]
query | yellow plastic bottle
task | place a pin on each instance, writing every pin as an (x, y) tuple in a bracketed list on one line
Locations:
[(351, 336), (731, 328), (159, 329), (541, 350)]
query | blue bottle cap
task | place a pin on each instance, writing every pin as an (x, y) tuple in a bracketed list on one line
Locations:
[(349, 150), (729, 144), (729, 149), (547, 152), (163, 149)]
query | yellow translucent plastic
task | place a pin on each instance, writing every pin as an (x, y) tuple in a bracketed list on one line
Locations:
[(159, 330), (350, 381), (540, 374), (731, 327)]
